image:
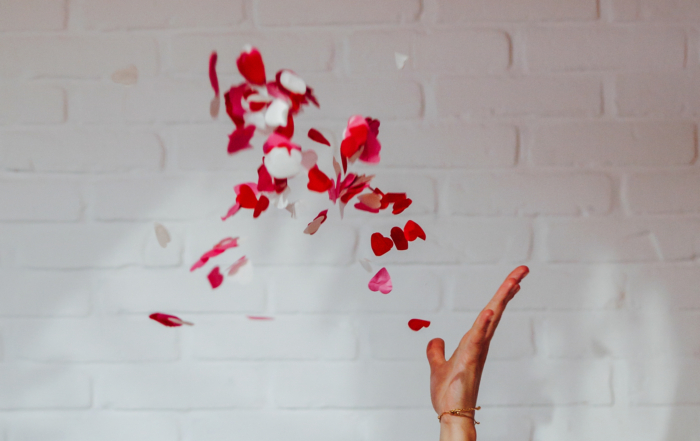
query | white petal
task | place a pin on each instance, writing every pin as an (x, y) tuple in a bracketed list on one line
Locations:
[(256, 119), (308, 159), (281, 163), (276, 114), (293, 82), (162, 235), (400, 59), (366, 264)]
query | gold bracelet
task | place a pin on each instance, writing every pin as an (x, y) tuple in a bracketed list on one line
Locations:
[(458, 412)]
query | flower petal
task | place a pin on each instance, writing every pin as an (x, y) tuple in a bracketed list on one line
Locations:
[(162, 235), (381, 282), (213, 78), (315, 224), (380, 244), (412, 231), (418, 324), (283, 163), (250, 65), (318, 181), (168, 320), (397, 235), (240, 139), (315, 135), (215, 278)]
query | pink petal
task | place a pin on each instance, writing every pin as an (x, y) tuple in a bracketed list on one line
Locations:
[(372, 148), (362, 206), (381, 282), (233, 269), (278, 140), (309, 159), (240, 139), (259, 317), (231, 211), (223, 245), (213, 79), (264, 179), (215, 278), (168, 320), (314, 225), (250, 65), (315, 135)]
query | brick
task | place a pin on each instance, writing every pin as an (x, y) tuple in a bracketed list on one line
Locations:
[(513, 339), (463, 51), (284, 338), (170, 101), (607, 48), (319, 290), (621, 334), (164, 198), (202, 386), (551, 287), (663, 193), (59, 388), (78, 246), (33, 15), (651, 143), (540, 96), (456, 240), (370, 52), (76, 57), (300, 51), (313, 385), (484, 193), (313, 425), (35, 104), (133, 14), (621, 240), (37, 293), (25, 200), (143, 291), (382, 99), (275, 239), (335, 12), (448, 145), (95, 340), (665, 381), (101, 103), (670, 94), (528, 10), (535, 382), (107, 426), (81, 151), (656, 10), (664, 287)]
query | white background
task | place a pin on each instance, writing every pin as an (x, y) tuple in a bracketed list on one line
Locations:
[(561, 134)]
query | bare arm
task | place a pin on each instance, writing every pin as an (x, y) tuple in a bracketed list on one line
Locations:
[(454, 383)]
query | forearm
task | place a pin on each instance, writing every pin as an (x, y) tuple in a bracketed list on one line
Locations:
[(457, 428)]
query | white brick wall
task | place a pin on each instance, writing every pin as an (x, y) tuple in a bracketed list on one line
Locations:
[(561, 134)]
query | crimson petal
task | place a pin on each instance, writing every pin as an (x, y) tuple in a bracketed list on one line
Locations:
[(317, 136), (240, 139), (418, 324), (250, 65), (215, 278)]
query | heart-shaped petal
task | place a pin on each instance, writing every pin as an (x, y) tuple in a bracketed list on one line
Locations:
[(250, 65), (401, 205), (318, 181), (240, 139), (371, 200), (418, 324), (399, 238), (315, 135), (309, 158), (215, 277), (381, 282), (412, 231), (213, 78), (380, 244), (246, 197), (282, 162), (315, 224), (292, 82), (261, 206), (276, 113)]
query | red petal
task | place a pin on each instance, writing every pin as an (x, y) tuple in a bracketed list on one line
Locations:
[(310, 96), (363, 207), (247, 198), (240, 139), (412, 231), (212, 73), (315, 135), (380, 244), (264, 179), (392, 198), (168, 320), (418, 324), (318, 181), (349, 147), (223, 245), (288, 130), (400, 206), (399, 238), (215, 278), (261, 206), (250, 65)]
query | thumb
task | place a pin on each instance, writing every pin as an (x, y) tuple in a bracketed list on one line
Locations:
[(436, 353)]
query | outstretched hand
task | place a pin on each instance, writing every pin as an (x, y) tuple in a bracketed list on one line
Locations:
[(454, 383)]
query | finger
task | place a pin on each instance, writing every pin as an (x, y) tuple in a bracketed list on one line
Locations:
[(436, 353), (476, 339), (505, 293)]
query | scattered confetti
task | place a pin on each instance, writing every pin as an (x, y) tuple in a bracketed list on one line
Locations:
[(241, 271), (380, 244), (318, 181), (399, 238), (400, 60), (314, 225), (215, 278), (219, 248), (318, 137), (162, 235), (412, 231), (168, 320), (418, 324), (127, 76), (381, 282), (214, 80)]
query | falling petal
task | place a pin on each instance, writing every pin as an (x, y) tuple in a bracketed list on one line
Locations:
[(380, 244), (213, 78), (282, 162), (276, 113), (250, 65), (214, 107), (315, 224), (168, 320), (400, 60), (400, 206), (215, 278), (371, 200), (292, 208), (127, 76), (315, 135), (162, 235), (418, 324), (259, 317), (412, 231), (233, 269), (308, 159), (261, 206), (291, 82), (240, 139), (318, 181), (399, 239), (381, 282), (243, 273), (366, 264), (219, 248)]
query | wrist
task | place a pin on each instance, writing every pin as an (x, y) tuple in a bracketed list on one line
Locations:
[(457, 428)]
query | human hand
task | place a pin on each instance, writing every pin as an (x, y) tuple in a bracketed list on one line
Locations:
[(454, 383)]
